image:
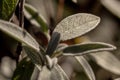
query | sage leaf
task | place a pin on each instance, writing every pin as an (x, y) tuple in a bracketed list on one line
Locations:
[(7, 8), (87, 68), (107, 60), (24, 70), (88, 47), (18, 34), (35, 18), (112, 6), (76, 25), (53, 43), (36, 58)]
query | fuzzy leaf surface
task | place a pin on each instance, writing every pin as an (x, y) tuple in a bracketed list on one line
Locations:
[(18, 34), (35, 57), (76, 25), (84, 48)]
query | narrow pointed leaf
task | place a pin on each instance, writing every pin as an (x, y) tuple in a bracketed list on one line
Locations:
[(36, 58), (18, 34), (87, 68), (108, 61), (76, 25), (84, 48), (53, 43), (24, 70), (35, 18), (7, 8)]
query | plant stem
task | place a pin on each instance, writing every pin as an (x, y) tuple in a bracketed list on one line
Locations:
[(21, 15), (21, 24)]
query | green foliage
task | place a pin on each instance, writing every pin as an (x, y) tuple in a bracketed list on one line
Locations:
[(24, 70), (7, 8), (18, 34), (84, 48), (76, 25), (46, 58), (31, 13)]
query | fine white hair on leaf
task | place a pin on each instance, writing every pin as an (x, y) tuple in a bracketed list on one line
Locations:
[(76, 25)]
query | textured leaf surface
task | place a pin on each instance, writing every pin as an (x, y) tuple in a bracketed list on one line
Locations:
[(35, 18), (76, 25), (113, 6), (87, 68), (7, 7), (53, 43), (107, 60), (19, 34), (84, 48), (55, 73), (24, 70), (35, 57)]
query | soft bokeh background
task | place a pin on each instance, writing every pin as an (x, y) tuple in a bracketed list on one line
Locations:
[(106, 65)]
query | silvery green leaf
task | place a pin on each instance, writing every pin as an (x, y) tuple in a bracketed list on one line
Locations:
[(112, 5), (76, 25), (56, 73), (35, 18), (107, 60), (18, 34), (7, 8), (24, 70), (53, 43), (36, 58), (85, 65), (88, 47)]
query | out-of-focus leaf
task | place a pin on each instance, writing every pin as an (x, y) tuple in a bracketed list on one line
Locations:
[(36, 58), (87, 68), (24, 70), (18, 34), (53, 43), (35, 18), (56, 73), (112, 5), (117, 79), (7, 8), (76, 25), (107, 60), (89, 47)]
